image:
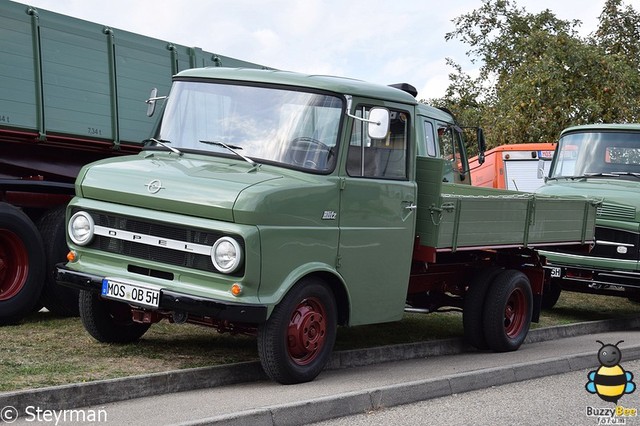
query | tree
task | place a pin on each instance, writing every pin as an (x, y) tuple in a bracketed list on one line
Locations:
[(538, 76)]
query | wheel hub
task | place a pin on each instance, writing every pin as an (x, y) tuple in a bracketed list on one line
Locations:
[(14, 264), (514, 313), (307, 331)]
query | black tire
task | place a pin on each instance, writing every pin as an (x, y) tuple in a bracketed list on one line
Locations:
[(551, 294), (291, 354), (108, 321), (22, 265), (58, 299), (508, 310), (474, 307)]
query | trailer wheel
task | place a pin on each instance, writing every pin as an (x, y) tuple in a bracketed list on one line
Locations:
[(21, 264), (508, 309), (297, 340), (551, 294), (474, 307), (108, 321), (58, 299)]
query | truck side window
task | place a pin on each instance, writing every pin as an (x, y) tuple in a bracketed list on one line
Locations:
[(450, 142), (384, 158), (429, 140)]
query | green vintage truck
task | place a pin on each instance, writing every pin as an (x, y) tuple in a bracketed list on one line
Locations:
[(599, 160), (284, 205)]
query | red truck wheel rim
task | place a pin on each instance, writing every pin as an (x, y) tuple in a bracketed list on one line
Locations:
[(515, 313), (14, 264), (307, 331)]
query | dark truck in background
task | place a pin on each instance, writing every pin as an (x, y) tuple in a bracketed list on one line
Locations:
[(71, 92), (599, 161)]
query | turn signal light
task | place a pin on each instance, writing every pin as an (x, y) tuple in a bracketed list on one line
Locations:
[(236, 289), (72, 256)]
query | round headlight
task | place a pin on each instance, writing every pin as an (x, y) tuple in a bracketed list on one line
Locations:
[(226, 255), (81, 228)]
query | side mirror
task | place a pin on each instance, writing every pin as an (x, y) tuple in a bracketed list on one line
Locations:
[(151, 102), (378, 123), (540, 169), (482, 145)]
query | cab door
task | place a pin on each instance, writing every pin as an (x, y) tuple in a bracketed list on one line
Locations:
[(377, 220)]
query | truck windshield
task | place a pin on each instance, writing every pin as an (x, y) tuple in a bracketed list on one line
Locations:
[(595, 154), (291, 128)]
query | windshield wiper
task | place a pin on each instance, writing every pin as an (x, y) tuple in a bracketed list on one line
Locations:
[(635, 175), (233, 149), (164, 143)]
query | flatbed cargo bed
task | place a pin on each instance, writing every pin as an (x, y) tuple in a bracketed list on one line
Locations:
[(463, 217)]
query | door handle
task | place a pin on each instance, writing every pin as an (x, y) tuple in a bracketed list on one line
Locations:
[(411, 206)]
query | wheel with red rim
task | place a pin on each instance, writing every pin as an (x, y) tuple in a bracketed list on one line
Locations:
[(297, 340), (21, 264), (108, 321), (507, 312)]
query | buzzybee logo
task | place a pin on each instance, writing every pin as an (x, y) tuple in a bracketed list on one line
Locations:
[(610, 381)]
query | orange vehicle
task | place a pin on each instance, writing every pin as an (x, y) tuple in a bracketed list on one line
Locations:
[(513, 166)]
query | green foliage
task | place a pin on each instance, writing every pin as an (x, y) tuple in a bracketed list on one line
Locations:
[(538, 76)]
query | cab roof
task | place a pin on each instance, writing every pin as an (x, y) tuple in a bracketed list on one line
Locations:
[(340, 85), (602, 127)]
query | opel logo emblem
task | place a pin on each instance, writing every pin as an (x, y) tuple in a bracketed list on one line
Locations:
[(154, 186)]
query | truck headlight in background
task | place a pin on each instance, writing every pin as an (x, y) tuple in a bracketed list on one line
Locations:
[(226, 255), (81, 228)]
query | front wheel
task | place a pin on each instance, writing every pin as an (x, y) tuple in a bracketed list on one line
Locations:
[(507, 311), (297, 340), (107, 321)]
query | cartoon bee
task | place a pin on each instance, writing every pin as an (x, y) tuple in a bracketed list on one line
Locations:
[(610, 381)]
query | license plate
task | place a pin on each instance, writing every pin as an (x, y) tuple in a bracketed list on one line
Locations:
[(132, 293), (556, 273)]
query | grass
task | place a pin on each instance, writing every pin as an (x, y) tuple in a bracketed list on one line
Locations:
[(46, 350)]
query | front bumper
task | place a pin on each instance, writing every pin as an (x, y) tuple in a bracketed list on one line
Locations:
[(172, 300)]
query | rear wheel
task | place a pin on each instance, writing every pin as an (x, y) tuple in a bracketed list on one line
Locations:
[(473, 310), (296, 342), (56, 298), (108, 321), (22, 264), (507, 311)]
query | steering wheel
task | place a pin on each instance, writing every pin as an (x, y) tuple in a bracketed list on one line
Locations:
[(310, 149)]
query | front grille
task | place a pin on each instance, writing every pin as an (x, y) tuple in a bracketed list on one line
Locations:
[(156, 253), (625, 241), (629, 240), (616, 211)]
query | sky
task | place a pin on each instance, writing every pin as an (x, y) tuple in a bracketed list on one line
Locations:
[(381, 41)]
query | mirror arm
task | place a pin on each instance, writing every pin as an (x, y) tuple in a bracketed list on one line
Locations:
[(363, 119)]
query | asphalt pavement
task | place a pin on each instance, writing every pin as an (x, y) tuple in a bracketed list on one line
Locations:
[(356, 382), (558, 400)]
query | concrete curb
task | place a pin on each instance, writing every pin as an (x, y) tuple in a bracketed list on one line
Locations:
[(113, 390)]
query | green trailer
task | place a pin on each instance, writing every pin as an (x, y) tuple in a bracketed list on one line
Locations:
[(71, 92), (283, 205)]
